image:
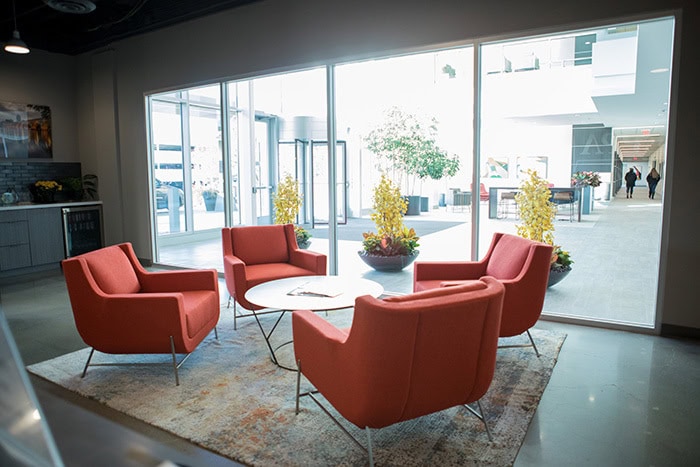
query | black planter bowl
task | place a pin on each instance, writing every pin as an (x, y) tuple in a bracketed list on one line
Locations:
[(388, 263), (557, 275)]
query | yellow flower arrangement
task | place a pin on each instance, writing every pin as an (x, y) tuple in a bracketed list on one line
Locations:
[(537, 213), (48, 185), (287, 201), (392, 236), (536, 210)]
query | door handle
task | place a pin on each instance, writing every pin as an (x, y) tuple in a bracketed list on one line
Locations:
[(258, 188)]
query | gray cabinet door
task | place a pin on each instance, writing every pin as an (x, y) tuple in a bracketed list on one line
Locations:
[(14, 240), (45, 235)]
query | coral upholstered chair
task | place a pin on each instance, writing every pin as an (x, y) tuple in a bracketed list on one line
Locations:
[(522, 265), (403, 357), (120, 308), (262, 253)]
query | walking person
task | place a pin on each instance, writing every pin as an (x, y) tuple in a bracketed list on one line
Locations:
[(630, 180), (653, 180)]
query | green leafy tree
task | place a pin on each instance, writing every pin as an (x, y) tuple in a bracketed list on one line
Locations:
[(408, 149)]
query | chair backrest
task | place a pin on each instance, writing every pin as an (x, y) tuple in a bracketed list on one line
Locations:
[(110, 268), (423, 352), (508, 256), (259, 244)]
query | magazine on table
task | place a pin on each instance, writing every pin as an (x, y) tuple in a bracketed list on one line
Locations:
[(315, 289)]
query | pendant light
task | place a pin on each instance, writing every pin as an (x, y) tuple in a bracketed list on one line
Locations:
[(16, 45)]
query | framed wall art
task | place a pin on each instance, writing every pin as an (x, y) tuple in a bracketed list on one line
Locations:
[(25, 131)]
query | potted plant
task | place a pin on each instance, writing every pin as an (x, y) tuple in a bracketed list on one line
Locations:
[(287, 201), (89, 186), (409, 151), (393, 246), (44, 191), (210, 196), (586, 181), (537, 214)]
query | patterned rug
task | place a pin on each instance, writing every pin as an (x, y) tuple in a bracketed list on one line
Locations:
[(232, 400)]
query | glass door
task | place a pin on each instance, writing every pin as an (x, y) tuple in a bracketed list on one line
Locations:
[(320, 195), (168, 173), (264, 180)]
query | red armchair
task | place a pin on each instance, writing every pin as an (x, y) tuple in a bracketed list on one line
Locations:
[(120, 308), (261, 253), (522, 265), (403, 357)]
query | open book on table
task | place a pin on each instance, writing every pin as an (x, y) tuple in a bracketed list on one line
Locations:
[(315, 289)]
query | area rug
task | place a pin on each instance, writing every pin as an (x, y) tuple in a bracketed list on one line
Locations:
[(234, 401)]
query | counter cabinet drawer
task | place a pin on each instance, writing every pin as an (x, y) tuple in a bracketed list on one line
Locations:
[(14, 257), (14, 233)]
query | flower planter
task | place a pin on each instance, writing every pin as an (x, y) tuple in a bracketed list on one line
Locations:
[(557, 275), (210, 202), (388, 263)]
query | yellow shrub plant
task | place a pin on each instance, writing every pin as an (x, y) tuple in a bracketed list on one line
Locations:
[(392, 236), (537, 214), (286, 202)]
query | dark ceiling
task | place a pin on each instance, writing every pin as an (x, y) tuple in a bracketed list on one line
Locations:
[(42, 24)]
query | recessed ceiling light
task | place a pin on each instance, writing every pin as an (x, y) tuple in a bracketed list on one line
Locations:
[(659, 70)]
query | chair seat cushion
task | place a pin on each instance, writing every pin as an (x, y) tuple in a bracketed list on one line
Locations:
[(200, 309), (259, 273)]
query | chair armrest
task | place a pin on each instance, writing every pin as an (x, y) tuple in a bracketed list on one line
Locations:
[(309, 260), (448, 270), (176, 281), (316, 343)]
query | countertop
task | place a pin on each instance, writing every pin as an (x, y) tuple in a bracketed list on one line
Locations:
[(62, 204)]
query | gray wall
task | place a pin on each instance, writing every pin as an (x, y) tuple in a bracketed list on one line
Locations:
[(45, 79), (277, 35)]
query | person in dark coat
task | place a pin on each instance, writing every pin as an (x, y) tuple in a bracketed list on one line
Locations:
[(630, 180), (653, 180)]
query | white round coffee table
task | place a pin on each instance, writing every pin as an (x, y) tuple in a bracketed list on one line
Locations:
[(316, 293)]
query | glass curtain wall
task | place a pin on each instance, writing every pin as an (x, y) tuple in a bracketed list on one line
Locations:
[(590, 100), (571, 103)]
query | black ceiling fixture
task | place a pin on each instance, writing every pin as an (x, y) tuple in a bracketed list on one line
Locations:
[(77, 26)]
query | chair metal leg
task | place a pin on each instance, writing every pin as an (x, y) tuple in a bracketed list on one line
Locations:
[(216, 333), (235, 314), (480, 416), (92, 351), (310, 394), (369, 446), (298, 384), (175, 365), (533, 344)]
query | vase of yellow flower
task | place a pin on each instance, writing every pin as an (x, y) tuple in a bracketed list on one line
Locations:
[(537, 214), (44, 191), (287, 202), (393, 246)]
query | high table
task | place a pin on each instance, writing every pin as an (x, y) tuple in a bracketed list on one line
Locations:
[(575, 197), (316, 293)]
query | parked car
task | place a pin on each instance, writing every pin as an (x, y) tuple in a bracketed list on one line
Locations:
[(162, 190)]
